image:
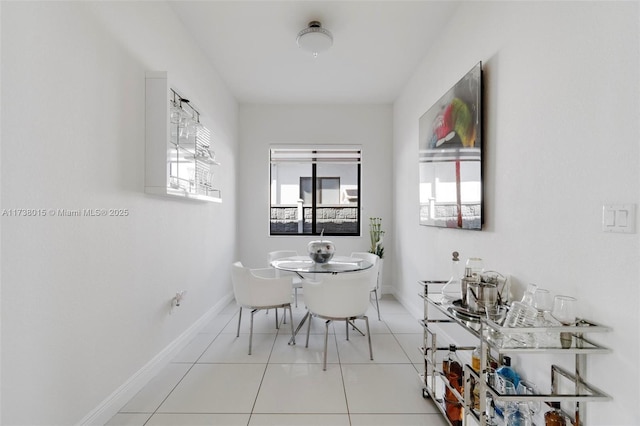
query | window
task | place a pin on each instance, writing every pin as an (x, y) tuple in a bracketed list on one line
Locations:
[(328, 190), (315, 189)]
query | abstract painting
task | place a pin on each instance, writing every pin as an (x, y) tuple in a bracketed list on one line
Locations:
[(450, 157)]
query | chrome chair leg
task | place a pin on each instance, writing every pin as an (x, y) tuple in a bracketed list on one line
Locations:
[(366, 320), (347, 324), (326, 341), (239, 320), (251, 330), (353, 326), (377, 305), (277, 325), (293, 334), (308, 330)]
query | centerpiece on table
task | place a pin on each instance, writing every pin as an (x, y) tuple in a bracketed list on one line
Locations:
[(321, 251)]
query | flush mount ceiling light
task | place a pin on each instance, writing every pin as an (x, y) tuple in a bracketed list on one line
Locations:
[(314, 39)]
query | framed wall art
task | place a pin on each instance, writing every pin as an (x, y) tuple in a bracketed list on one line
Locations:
[(450, 157)]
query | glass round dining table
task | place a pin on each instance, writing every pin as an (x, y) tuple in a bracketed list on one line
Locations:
[(304, 265), (337, 264)]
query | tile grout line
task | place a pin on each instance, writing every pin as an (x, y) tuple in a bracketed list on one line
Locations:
[(266, 366), (155, 411), (344, 388)]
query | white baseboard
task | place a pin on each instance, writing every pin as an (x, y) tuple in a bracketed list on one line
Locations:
[(114, 402)]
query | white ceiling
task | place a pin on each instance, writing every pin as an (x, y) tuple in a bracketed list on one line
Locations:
[(377, 46)]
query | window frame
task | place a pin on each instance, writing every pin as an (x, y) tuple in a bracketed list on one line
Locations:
[(320, 154)]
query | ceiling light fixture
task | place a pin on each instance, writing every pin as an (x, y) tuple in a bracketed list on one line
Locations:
[(314, 38)]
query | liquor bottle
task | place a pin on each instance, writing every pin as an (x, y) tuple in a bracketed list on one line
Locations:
[(475, 359), (554, 417), (506, 373), (452, 368), (475, 389)]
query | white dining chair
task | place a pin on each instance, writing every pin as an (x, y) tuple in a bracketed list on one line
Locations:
[(258, 289), (297, 281), (375, 283), (338, 297)]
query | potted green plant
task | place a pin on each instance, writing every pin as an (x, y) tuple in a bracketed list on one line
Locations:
[(377, 235)]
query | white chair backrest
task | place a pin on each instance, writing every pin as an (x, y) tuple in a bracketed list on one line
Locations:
[(259, 287), (279, 254), (339, 295), (373, 258)]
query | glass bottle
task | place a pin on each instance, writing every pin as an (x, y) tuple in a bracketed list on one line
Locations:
[(554, 417), (452, 368), (506, 372), (452, 289), (475, 390), (475, 359)]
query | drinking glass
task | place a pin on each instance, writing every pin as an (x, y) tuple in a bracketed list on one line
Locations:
[(496, 313), (476, 265), (542, 300), (564, 311), (528, 388), (175, 112), (517, 414), (504, 387)]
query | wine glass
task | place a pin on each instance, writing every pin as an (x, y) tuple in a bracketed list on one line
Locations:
[(542, 300), (564, 311)]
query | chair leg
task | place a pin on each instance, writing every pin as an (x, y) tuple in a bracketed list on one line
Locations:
[(277, 325), (308, 330), (326, 341), (251, 330), (347, 324), (239, 319), (295, 292), (293, 333), (366, 320), (377, 305)]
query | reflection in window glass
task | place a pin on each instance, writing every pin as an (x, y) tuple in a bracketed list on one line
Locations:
[(315, 189)]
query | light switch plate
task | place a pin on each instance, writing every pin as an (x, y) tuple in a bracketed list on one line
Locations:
[(620, 218)]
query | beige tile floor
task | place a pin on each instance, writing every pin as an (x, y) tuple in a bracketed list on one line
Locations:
[(213, 381)]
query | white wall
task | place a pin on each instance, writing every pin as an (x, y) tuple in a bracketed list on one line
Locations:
[(85, 299), (561, 139), (263, 125)]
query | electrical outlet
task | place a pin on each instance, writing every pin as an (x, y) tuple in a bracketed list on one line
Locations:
[(177, 299)]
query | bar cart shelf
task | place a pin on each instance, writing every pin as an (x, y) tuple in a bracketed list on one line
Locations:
[(567, 387)]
